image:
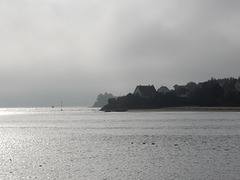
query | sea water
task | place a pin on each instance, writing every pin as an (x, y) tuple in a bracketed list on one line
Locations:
[(84, 143)]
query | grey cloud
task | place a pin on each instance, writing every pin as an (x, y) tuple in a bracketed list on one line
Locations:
[(77, 49)]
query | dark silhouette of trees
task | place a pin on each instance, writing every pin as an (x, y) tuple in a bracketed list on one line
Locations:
[(209, 94), (102, 99), (221, 92), (191, 87)]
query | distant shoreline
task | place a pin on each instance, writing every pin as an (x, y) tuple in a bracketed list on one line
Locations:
[(189, 108)]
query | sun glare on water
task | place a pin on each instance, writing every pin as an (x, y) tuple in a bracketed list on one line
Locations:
[(11, 111)]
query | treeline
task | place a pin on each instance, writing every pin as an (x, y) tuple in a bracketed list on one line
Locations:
[(102, 99), (214, 92)]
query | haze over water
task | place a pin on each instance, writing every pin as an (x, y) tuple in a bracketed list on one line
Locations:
[(83, 143), (72, 50)]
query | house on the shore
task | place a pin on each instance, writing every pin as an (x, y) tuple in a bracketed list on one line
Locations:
[(181, 91), (163, 90), (145, 91)]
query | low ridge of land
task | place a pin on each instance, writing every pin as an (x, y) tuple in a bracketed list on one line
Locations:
[(212, 95)]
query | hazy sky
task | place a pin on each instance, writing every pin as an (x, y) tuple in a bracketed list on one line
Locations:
[(72, 50)]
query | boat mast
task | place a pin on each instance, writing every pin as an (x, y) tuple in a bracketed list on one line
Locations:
[(61, 106)]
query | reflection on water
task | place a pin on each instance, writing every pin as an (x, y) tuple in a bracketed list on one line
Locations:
[(83, 143)]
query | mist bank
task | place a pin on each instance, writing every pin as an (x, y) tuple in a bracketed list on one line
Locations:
[(102, 100), (212, 93)]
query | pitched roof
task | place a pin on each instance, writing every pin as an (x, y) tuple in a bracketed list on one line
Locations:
[(146, 91), (163, 88)]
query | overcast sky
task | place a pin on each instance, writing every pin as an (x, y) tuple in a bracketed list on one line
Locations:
[(72, 50)]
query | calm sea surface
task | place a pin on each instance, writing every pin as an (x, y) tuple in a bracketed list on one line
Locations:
[(83, 143)]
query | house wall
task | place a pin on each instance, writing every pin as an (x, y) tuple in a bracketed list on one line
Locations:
[(137, 92), (163, 90)]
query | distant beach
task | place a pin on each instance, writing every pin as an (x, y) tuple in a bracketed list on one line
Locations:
[(189, 108)]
